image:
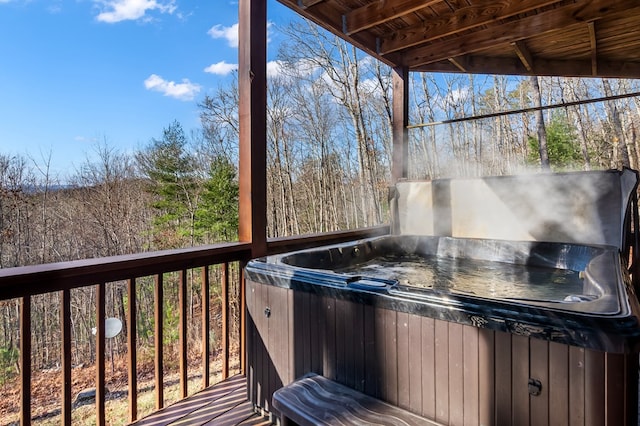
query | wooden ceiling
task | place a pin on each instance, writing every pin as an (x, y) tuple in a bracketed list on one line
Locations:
[(587, 38)]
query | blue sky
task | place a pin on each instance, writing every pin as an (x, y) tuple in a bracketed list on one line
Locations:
[(75, 73)]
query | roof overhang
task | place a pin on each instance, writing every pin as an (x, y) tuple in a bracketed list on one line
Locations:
[(582, 38)]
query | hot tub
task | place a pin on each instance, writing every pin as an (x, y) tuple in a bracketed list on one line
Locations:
[(462, 330), (561, 292)]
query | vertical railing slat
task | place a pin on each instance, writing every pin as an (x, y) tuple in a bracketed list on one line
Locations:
[(159, 355), (65, 322), (132, 350), (25, 360), (229, 330), (205, 326), (100, 355), (225, 320), (243, 319), (182, 332)]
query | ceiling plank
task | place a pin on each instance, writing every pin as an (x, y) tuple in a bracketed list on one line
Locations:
[(381, 11), (524, 54), (461, 20), (594, 48), (559, 18)]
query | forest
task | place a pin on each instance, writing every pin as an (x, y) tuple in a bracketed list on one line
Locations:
[(329, 156)]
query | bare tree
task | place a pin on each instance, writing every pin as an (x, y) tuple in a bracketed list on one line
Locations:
[(622, 157), (342, 75), (542, 132)]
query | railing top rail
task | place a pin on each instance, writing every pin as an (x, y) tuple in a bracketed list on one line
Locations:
[(44, 278), (299, 242)]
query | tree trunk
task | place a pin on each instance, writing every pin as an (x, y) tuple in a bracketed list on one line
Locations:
[(542, 132), (618, 135)]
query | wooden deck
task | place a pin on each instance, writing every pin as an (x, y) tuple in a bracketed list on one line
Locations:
[(223, 404)]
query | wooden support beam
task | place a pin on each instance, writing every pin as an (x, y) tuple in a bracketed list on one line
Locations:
[(475, 64), (252, 109), (381, 11), (400, 107), (458, 64), (594, 48), (524, 54)]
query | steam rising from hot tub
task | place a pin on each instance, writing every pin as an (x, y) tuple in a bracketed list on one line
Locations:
[(578, 207), (513, 275)]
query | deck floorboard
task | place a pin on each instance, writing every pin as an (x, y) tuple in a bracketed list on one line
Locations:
[(222, 404)]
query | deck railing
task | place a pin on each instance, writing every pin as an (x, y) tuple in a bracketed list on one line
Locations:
[(24, 282)]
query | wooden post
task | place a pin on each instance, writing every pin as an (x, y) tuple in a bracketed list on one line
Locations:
[(400, 123), (252, 84), (252, 112)]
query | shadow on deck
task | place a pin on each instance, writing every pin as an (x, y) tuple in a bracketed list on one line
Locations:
[(223, 404)]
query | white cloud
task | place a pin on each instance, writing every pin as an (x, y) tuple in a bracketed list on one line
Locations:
[(275, 68), (307, 67), (184, 91), (228, 33), (231, 33), (221, 68), (457, 96), (370, 85), (123, 10), (302, 69)]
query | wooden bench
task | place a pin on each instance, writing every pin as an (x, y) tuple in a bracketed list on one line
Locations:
[(316, 400)]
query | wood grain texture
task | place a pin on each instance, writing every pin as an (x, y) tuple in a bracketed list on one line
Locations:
[(441, 343), (471, 375), (486, 377), (576, 386), (223, 404), (442, 35), (539, 370), (315, 400), (558, 384), (447, 372), (428, 352)]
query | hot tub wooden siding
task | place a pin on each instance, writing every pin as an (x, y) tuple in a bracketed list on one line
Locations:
[(453, 373)]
